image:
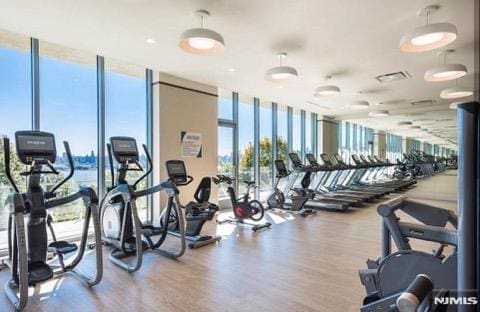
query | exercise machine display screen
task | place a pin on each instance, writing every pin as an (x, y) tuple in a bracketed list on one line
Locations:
[(295, 159), (311, 159), (326, 159), (176, 171), (281, 168), (35, 146), (124, 149)]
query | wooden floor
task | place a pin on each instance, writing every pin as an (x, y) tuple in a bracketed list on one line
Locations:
[(300, 264)]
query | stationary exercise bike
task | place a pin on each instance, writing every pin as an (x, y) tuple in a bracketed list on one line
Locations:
[(121, 226), (28, 245), (197, 212), (243, 208), (298, 196)]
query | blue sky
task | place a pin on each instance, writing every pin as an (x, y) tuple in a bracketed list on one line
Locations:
[(68, 98)]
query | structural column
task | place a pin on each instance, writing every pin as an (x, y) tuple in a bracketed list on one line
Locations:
[(380, 144)]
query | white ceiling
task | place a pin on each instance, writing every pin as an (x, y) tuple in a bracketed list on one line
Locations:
[(352, 40)]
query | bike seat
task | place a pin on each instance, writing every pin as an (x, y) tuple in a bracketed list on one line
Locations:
[(63, 247), (249, 183), (39, 272)]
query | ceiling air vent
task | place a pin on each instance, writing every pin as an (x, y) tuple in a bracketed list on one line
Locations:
[(402, 75), (424, 102)]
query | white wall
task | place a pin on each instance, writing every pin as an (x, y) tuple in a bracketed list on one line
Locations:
[(177, 109)]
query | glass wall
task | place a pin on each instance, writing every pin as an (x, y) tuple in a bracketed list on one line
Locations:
[(282, 133), (394, 147), (15, 107), (296, 132), (126, 115), (427, 148), (236, 132), (68, 109), (245, 141), (354, 139), (266, 151), (225, 104), (66, 88), (308, 134)]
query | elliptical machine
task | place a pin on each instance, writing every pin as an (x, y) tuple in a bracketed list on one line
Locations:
[(28, 247), (243, 208), (298, 198), (196, 212), (121, 225), (393, 272)]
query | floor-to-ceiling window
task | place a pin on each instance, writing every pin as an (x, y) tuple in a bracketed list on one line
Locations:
[(308, 133), (296, 132), (68, 106), (226, 138), (126, 114), (282, 133), (394, 147), (56, 89), (245, 141), (15, 99), (266, 153)]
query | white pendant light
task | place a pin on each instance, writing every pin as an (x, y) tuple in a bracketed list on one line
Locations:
[(359, 105), (429, 36), (455, 93), (201, 41), (327, 90), (281, 73), (446, 71), (379, 113)]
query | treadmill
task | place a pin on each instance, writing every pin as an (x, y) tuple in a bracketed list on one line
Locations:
[(341, 173), (325, 181), (356, 179), (319, 201)]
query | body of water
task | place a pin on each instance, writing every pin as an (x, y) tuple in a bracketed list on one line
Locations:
[(81, 177)]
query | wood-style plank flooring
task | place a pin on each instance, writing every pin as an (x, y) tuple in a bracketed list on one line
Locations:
[(300, 264)]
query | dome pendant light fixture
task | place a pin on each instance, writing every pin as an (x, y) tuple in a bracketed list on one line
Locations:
[(379, 113), (201, 41), (327, 90), (281, 73), (455, 92), (359, 104), (429, 36), (447, 71)]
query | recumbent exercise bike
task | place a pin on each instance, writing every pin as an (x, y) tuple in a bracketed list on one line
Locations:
[(197, 212)]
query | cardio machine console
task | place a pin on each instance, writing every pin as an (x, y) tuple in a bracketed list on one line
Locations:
[(35, 146), (124, 149), (311, 160), (177, 172), (296, 161), (281, 168), (326, 159)]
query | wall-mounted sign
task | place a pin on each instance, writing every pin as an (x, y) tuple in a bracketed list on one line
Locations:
[(191, 144)]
